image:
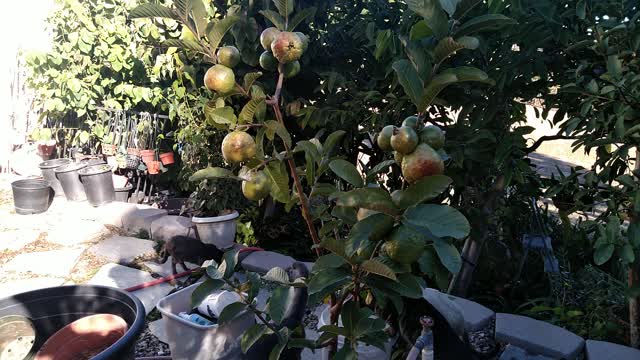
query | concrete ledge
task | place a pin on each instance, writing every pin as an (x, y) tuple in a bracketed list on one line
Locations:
[(602, 350), (538, 337), (476, 316)]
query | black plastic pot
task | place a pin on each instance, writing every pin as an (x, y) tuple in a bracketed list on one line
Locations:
[(49, 310), (122, 194), (70, 181), (48, 172), (97, 181), (32, 196)]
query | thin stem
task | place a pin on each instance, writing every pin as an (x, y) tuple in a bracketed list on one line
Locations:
[(304, 205)]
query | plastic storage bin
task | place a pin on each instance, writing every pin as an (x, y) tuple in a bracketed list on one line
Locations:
[(190, 341)]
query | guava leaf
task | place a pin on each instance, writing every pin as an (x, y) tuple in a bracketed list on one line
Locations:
[(224, 115), (369, 198), (448, 255), (279, 301), (441, 220), (331, 141), (212, 173), (603, 253), (482, 23), (374, 266), (285, 7), (184, 44), (300, 16), (433, 88), (230, 312), (199, 15), (205, 289), (328, 278), (469, 73), (420, 30), (409, 79), (253, 334), (423, 190), (448, 46), (152, 10), (432, 12), (249, 110), (329, 261), (346, 171), (277, 274), (449, 6), (380, 168), (274, 17), (217, 30), (279, 179)]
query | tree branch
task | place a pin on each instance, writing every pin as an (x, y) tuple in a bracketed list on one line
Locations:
[(542, 139)]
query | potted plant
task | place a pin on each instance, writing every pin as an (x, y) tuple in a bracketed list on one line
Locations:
[(46, 144), (213, 206)]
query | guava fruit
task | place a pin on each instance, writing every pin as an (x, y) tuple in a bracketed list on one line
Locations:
[(268, 61), (257, 187), (404, 140), (229, 56), (424, 161), (363, 213), (291, 69), (305, 40), (220, 78), (398, 158), (384, 138), (287, 47), (404, 245), (432, 136), (267, 36), (238, 146), (411, 121)]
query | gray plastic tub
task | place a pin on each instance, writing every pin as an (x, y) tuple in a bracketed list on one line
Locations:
[(48, 169), (190, 341), (70, 181)]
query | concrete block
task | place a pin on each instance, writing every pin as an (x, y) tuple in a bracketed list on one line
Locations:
[(123, 277), (139, 220), (476, 316), (263, 261), (602, 350), (538, 337), (166, 227), (58, 263), (122, 249)]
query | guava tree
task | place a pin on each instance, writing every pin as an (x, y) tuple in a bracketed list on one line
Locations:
[(371, 235), (601, 107)]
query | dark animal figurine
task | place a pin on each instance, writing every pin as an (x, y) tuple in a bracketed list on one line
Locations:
[(292, 319), (184, 248)]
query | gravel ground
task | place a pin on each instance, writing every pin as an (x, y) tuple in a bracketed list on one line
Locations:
[(149, 345), (482, 341)]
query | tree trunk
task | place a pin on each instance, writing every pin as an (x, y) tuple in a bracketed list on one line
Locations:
[(461, 282), (633, 281)]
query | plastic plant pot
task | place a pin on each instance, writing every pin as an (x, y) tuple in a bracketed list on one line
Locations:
[(133, 151), (217, 230), (32, 196), (98, 184), (48, 169), (70, 181), (153, 167), (167, 158), (93, 160), (122, 194), (147, 155), (51, 309), (109, 149)]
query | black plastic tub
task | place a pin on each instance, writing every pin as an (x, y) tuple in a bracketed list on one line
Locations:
[(53, 308), (97, 181), (122, 194), (48, 169), (70, 181), (32, 196)]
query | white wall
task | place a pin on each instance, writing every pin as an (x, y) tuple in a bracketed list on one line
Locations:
[(22, 25)]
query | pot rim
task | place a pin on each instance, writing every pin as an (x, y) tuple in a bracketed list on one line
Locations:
[(94, 169), (215, 219), (54, 163), (70, 167), (126, 188), (31, 184)]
